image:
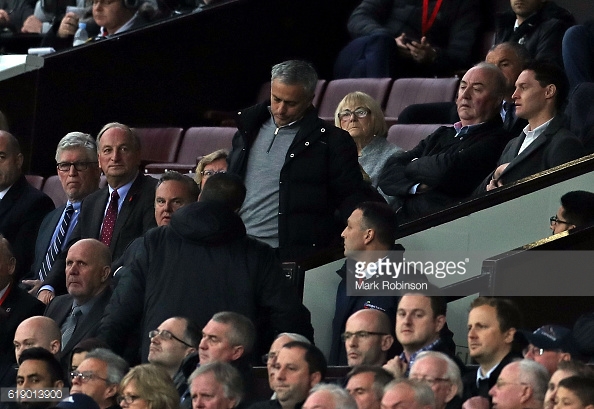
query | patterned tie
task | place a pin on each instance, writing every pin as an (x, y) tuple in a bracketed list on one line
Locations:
[(70, 325), (110, 218), (56, 246)]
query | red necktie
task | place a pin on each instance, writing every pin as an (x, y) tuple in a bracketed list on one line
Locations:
[(110, 218)]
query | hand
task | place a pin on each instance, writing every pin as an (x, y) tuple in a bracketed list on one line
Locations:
[(396, 367), (401, 46), (4, 17), (45, 296), (496, 181), (35, 285), (32, 25), (476, 402), (422, 52), (68, 25)]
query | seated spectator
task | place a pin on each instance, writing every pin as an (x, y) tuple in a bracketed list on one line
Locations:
[(576, 210), (38, 369), (366, 385), (40, 332), (443, 376), (549, 345), (403, 39), (578, 53), (536, 24), (216, 385), (147, 387), (409, 394), (541, 91), (99, 377), (362, 117), (520, 385), (329, 396), (564, 370), (270, 358), (443, 167), (172, 342), (367, 338), (211, 164), (575, 392), (13, 13)]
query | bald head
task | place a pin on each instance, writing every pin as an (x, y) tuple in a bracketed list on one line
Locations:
[(367, 337), (37, 332), (87, 269)]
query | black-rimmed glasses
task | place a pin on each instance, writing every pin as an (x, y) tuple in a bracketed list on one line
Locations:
[(166, 335), (79, 166)]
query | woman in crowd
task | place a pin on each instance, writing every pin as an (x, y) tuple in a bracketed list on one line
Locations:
[(148, 387), (211, 164)]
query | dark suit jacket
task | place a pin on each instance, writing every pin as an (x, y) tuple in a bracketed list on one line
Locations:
[(87, 326), (21, 211), (46, 231), (469, 379), (555, 146), (136, 216)]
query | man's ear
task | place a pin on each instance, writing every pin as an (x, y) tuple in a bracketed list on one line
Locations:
[(387, 341), (59, 384), (111, 391), (369, 236), (237, 352), (314, 379), (451, 392), (509, 335), (55, 346), (440, 321)]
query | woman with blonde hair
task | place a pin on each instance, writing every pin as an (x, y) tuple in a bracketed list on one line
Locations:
[(213, 163), (148, 387)]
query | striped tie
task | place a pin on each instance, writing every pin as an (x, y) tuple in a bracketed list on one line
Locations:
[(56, 246)]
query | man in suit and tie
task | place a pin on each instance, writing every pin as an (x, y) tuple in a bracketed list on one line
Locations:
[(119, 212), (79, 312), (541, 90), (22, 207), (76, 163)]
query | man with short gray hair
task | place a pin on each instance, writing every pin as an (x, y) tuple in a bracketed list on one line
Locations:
[(216, 385), (521, 385), (329, 396), (298, 169), (442, 374), (408, 393)]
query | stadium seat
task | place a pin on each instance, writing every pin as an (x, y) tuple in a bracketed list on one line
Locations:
[(407, 136), (53, 188), (159, 144), (35, 180)]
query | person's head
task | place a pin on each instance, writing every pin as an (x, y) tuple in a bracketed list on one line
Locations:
[(225, 189), (171, 342), (227, 337), (523, 9), (419, 319), (174, 190), (37, 331), (39, 369), (99, 376), (88, 268), (575, 392), (565, 369), (148, 387), (408, 394), (541, 91), (371, 226), (520, 385), (492, 324), (211, 164), (441, 373), (329, 396), (80, 351), (119, 151), (270, 358), (577, 210), (7, 262), (480, 94), (362, 117), (510, 57), (77, 166), (367, 337), (11, 160), (299, 367), (549, 345), (217, 385), (111, 14), (366, 385), (293, 85)]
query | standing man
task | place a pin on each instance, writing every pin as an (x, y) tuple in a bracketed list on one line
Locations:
[(121, 211), (297, 169)]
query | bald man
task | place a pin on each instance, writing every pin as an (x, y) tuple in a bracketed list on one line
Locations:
[(37, 332), (367, 338)]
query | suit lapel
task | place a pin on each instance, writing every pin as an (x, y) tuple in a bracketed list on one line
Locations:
[(7, 202), (89, 321), (127, 207)]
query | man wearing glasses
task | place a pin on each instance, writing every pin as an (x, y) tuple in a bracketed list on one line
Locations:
[(443, 376), (174, 340), (78, 170), (576, 210), (367, 338), (520, 385), (99, 376), (549, 345)]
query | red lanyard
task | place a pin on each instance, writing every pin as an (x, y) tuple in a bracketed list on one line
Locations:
[(428, 22), (5, 294)]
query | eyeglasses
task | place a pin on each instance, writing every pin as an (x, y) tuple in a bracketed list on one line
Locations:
[(166, 335), (129, 399), (267, 357), (85, 376), (359, 113), (79, 166), (555, 219), (430, 381), (360, 334), (501, 384), (536, 351), (209, 173)]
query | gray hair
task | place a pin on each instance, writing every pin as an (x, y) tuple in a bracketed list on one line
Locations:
[(452, 372), (424, 395), (499, 86), (241, 329), (226, 375), (296, 72), (381, 377), (294, 337), (134, 138), (535, 375), (74, 140), (342, 399), (117, 367)]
